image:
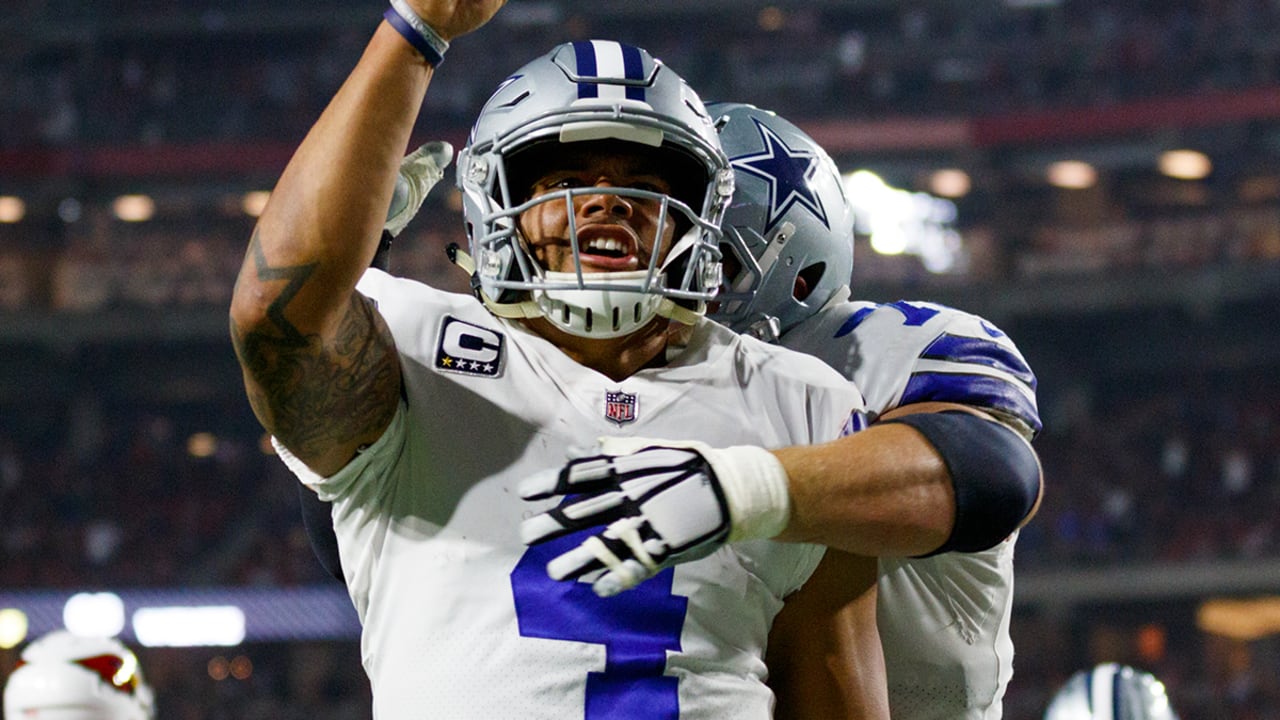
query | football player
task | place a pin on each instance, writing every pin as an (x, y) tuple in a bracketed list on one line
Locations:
[(944, 618), (593, 185), (944, 613), (902, 355), (62, 676), (945, 533), (1111, 691)]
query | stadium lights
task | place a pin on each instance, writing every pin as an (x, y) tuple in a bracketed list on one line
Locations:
[(176, 626), (134, 208), (12, 209), (240, 667), (1185, 164), (13, 628), (94, 614), (950, 183), (202, 445), (176, 617), (897, 221), (1072, 175), (1240, 619), (253, 202)]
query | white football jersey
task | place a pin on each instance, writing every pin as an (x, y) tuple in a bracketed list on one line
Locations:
[(943, 620), (460, 619)]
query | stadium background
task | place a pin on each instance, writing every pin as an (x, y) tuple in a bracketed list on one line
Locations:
[(1148, 303)]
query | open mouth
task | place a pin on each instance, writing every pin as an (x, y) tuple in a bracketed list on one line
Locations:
[(606, 247), (609, 248)]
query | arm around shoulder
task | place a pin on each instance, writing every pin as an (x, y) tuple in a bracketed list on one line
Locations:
[(932, 478)]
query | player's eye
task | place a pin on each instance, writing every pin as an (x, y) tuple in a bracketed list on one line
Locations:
[(565, 183)]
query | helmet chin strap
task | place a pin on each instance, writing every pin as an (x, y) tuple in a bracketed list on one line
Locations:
[(588, 313)]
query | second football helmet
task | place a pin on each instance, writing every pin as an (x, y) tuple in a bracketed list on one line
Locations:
[(789, 219), (62, 676), (1111, 691), (593, 91)]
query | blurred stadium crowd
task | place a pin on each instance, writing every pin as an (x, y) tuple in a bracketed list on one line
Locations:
[(130, 459), (169, 76)]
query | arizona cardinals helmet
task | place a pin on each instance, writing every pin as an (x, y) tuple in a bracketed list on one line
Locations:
[(582, 92), (789, 219), (62, 676)]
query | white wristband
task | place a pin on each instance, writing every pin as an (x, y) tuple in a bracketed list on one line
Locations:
[(755, 488)]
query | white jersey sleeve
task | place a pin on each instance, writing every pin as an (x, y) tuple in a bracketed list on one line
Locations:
[(908, 351), (460, 619), (943, 620)]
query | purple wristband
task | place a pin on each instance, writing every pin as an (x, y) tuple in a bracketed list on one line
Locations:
[(419, 43)]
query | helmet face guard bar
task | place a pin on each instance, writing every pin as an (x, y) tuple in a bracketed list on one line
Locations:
[(701, 243)]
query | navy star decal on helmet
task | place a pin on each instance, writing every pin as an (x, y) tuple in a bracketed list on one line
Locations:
[(788, 171), (789, 225)]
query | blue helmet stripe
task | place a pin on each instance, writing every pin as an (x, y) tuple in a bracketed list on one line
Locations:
[(585, 54), (633, 69)]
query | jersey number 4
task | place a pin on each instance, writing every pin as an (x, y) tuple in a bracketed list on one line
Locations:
[(636, 627)]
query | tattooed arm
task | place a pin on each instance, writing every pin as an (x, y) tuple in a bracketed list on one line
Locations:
[(319, 364)]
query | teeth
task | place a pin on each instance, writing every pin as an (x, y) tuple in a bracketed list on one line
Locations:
[(607, 244)]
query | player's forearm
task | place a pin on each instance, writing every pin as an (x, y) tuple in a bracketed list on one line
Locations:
[(326, 212), (881, 492), (824, 654), (927, 478)]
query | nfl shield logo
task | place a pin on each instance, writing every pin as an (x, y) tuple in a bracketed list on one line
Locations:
[(619, 407)]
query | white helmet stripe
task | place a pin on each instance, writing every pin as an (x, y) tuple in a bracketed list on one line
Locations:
[(1102, 695)]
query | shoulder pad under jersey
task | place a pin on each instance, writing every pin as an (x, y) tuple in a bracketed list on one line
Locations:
[(907, 352)]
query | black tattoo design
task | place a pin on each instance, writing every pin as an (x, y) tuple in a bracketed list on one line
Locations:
[(309, 391)]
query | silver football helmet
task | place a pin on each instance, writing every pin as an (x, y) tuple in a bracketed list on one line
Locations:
[(1111, 691), (62, 676), (582, 92), (789, 218)]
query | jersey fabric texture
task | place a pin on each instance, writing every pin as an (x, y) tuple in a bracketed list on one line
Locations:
[(460, 619), (943, 620)]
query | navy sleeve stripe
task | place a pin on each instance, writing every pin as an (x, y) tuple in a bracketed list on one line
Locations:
[(959, 348), (978, 390)]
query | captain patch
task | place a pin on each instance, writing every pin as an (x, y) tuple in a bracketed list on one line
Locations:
[(469, 349)]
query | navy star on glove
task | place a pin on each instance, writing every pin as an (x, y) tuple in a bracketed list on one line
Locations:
[(661, 503)]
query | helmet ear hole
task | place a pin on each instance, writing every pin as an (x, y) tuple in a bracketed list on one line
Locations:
[(807, 279)]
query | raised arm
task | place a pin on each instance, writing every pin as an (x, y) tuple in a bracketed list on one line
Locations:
[(320, 366)]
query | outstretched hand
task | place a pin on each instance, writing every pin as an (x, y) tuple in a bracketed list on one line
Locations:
[(454, 18), (661, 503)]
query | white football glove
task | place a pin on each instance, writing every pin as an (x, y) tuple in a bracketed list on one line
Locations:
[(662, 503), (419, 172)]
